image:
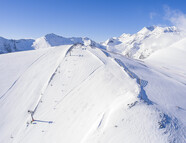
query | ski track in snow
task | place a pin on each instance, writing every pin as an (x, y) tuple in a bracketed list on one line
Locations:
[(68, 51), (80, 83), (20, 76), (51, 78), (77, 86), (18, 83)]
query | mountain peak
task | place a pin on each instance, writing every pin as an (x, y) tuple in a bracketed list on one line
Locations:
[(124, 35), (157, 29), (147, 29), (151, 28), (51, 35), (171, 29), (142, 44)]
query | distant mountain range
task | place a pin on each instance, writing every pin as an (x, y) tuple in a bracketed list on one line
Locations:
[(49, 40), (145, 42), (138, 46)]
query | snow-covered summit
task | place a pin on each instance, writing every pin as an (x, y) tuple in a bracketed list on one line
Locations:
[(49, 40), (157, 29), (145, 42), (55, 40)]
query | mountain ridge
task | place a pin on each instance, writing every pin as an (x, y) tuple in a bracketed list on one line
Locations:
[(138, 46), (49, 40), (145, 42)]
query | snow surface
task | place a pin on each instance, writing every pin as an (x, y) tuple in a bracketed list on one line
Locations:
[(84, 94), (26, 92), (13, 65)]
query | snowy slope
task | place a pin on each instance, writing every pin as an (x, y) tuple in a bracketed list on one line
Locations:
[(26, 92), (90, 96), (145, 42), (173, 56), (14, 65), (170, 61), (162, 101)]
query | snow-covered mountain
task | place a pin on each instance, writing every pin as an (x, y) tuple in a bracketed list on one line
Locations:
[(137, 46), (54, 40), (8, 46), (73, 90), (145, 42), (49, 40)]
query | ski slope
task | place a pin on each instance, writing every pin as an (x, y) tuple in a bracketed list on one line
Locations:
[(13, 65), (80, 94), (26, 91)]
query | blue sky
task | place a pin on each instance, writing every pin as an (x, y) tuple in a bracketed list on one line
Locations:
[(96, 19)]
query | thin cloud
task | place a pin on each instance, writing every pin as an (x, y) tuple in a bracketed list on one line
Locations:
[(152, 15), (176, 17)]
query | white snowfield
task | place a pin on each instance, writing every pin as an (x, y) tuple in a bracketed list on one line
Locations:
[(81, 94)]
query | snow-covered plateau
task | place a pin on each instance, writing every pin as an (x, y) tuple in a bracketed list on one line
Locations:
[(130, 89)]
